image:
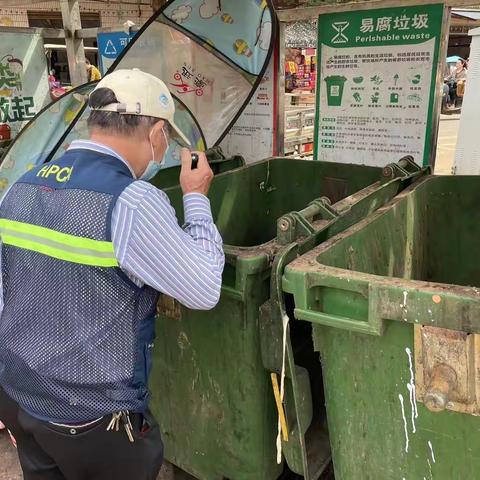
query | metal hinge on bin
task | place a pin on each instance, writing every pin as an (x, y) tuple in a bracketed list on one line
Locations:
[(403, 168), (446, 362), (300, 224)]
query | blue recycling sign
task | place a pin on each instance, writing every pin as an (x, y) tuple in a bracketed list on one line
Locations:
[(110, 46)]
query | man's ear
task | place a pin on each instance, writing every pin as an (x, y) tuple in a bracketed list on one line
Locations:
[(156, 135)]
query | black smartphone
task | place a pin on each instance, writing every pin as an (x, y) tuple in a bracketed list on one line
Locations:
[(194, 161)]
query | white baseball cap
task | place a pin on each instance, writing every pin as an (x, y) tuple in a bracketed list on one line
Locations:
[(140, 93)]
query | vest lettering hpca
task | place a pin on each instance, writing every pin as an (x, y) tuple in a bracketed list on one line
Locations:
[(61, 174), (75, 332)]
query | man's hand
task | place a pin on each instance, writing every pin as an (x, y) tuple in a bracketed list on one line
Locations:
[(197, 180)]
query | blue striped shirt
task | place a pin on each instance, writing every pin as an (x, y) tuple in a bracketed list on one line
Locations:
[(152, 248)]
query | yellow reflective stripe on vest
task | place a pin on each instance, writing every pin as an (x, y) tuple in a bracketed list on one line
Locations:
[(35, 230), (58, 245)]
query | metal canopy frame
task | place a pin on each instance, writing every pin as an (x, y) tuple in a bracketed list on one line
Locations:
[(307, 13)]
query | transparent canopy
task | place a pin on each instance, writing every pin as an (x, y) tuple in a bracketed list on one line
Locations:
[(211, 54)]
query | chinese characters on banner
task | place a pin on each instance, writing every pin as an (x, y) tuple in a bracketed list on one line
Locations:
[(13, 106), (392, 23), (23, 82), (253, 135), (186, 80), (377, 84)]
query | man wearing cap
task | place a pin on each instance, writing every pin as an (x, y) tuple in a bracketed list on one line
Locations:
[(87, 245)]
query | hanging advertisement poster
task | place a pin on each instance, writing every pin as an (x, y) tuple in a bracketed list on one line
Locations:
[(23, 82), (377, 84), (253, 135)]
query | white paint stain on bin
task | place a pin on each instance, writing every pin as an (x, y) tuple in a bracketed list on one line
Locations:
[(411, 390), (405, 426), (431, 451)]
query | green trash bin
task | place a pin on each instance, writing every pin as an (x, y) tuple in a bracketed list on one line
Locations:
[(335, 86), (395, 306), (211, 384), (169, 177)]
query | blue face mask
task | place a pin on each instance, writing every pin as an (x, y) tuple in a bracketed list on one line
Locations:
[(154, 167)]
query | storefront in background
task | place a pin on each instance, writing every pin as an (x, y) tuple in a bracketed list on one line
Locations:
[(461, 22), (47, 14), (300, 85)]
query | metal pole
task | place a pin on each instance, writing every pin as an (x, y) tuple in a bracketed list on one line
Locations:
[(281, 92), (437, 107), (75, 49)]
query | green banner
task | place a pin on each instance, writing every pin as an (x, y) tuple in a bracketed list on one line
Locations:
[(376, 84)]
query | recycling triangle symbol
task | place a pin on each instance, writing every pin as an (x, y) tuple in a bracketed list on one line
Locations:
[(110, 48)]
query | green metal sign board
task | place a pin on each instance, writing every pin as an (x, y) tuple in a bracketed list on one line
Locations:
[(376, 85)]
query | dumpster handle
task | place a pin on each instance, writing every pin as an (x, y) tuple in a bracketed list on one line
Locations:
[(337, 321), (373, 326)]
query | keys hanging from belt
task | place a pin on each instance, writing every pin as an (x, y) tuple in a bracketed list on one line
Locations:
[(118, 418)]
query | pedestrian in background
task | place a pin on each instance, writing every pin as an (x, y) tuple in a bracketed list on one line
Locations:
[(92, 71), (456, 81)]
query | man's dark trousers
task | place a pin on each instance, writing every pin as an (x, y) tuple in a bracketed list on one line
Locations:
[(50, 452)]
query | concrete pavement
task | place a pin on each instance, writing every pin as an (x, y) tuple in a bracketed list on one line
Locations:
[(9, 467), (447, 142)]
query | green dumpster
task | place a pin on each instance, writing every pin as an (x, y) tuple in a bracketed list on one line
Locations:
[(394, 302), (211, 380), (169, 177)]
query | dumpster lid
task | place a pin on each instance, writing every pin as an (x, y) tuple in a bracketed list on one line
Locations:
[(212, 55)]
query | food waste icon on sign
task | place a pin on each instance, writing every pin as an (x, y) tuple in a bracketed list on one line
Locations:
[(414, 98), (416, 79)]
